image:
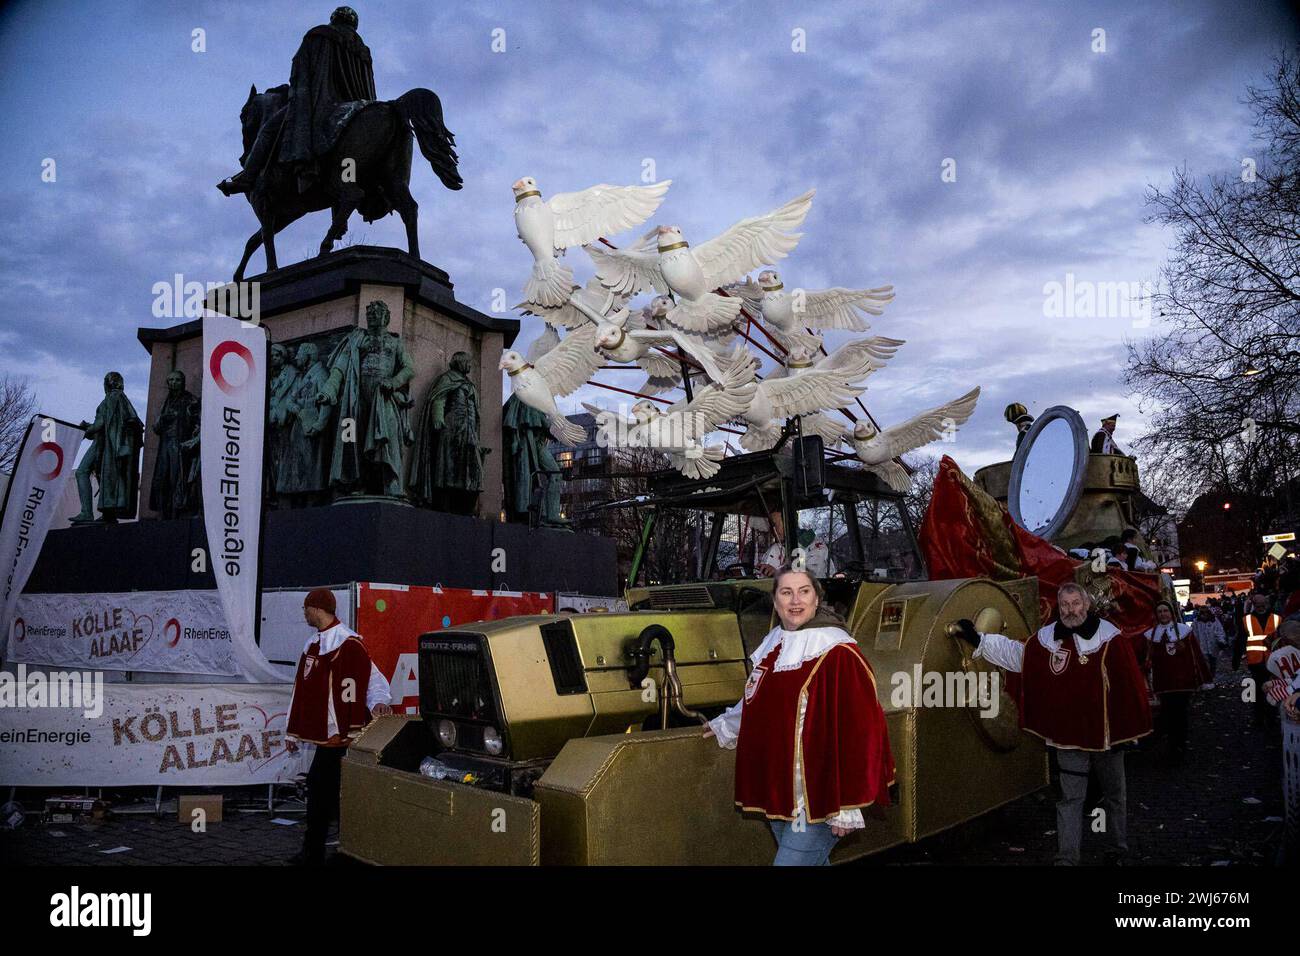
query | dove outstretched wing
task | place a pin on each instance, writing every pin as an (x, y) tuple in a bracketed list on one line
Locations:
[(810, 392), (858, 359), (839, 308), (924, 428), (570, 363), (602, 210), (543, 344), (752, 242), (631, 270)]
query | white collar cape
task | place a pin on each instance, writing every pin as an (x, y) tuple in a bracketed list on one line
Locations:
[(1086, 645), (1159, 632), (799, 647), (332, 637)]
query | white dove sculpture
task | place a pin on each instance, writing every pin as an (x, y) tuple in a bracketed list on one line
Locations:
[(777, 399), (558, 371), (856, 359), (624, 345), (663, 260), (592, 303), (877, 450), (548, 227), (691, 457), (835, 308), (679, 432)]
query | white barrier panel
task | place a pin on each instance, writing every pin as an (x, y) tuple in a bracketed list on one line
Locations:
[(174, 632), (583, 603), (154, 734), (285, 631)]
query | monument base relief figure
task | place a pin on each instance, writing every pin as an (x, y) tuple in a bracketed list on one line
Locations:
[(175, 491), (113, 458), (368, 373), (447, 460)]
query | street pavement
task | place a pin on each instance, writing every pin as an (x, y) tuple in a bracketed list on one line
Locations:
[(1222, 806)]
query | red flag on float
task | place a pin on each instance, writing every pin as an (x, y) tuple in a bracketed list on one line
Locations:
[(232, 441), (968, 533), (35, 492)]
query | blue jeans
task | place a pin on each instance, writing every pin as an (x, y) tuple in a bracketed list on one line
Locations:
[(810, 846)]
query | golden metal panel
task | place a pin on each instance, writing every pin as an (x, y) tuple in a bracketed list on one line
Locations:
[(664, 797), (393, 815)]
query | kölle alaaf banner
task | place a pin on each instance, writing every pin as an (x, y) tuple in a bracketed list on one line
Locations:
[(204, 735), (176, 632)]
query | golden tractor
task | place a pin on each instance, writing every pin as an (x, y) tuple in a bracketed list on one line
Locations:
[(576, 738)]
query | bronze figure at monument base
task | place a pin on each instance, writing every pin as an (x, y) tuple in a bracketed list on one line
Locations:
[(113, 459)]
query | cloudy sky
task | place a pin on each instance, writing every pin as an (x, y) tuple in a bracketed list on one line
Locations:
[(1053, 143)]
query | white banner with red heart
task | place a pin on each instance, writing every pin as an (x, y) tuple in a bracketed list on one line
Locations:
[(156, 735), (170, 632)]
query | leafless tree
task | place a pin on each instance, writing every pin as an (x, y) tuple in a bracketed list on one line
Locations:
[(1220, 374), (924, 470), (17, 405)]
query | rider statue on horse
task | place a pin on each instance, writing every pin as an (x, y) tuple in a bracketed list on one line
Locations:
[(324, 141), (331, 67)]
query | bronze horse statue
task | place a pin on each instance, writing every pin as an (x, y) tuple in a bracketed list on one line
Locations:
[(367, 170)]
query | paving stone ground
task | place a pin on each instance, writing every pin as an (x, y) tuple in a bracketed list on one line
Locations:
[(1222, 806)]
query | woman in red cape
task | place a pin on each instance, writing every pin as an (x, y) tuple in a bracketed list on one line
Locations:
[(811, 744)]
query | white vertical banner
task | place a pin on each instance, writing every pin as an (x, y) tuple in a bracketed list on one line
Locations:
[(35, 494), (232, 435)]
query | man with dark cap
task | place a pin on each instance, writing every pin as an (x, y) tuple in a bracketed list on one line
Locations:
[(1103, 443), (335, 693), (1019, 416)]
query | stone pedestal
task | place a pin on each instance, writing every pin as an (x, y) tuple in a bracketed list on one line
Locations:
[(329, 294)]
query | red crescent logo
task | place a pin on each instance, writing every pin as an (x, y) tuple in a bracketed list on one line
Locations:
[(58, 460), (20, 630), (214, 365), (176, 638)]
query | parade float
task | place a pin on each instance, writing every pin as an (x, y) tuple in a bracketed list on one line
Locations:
[(576, 739), (349, 432)]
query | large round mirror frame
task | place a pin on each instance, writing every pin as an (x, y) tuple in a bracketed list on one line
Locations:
[(1075, 489)]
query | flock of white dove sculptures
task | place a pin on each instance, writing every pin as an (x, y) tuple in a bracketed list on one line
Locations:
[(700, 293)]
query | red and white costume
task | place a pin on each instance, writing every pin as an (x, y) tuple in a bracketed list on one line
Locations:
[(810, 732), (1284, 664), (1174, 659), (1083, 693), (335, 687)]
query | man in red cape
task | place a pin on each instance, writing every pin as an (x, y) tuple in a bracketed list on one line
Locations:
[(967, 533), (1083, 692), (335, 692)]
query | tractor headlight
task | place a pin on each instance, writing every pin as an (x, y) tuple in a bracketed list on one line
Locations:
[(447, 733), (492, 742)]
